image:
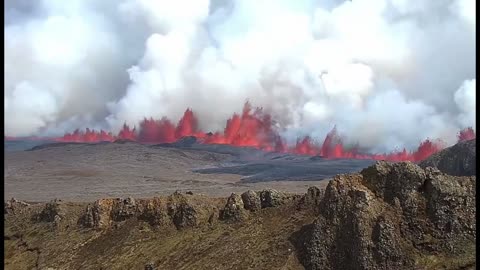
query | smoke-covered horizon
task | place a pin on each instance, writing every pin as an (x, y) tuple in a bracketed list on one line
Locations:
[(388, 74)]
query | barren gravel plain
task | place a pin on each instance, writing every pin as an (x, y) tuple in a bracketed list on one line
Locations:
[(86, 172)]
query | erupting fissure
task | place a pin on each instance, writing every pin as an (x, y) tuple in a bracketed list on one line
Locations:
[(253, 128)]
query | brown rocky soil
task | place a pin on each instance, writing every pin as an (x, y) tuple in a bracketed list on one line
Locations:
[(180, 231)]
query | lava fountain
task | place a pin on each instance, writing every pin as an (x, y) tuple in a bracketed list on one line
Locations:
[(252, 128)]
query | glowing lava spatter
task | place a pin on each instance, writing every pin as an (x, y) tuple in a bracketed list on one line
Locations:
[(127, 134), (333, 147), (305, 146), (253, 128), (466, 134), (87, 136)]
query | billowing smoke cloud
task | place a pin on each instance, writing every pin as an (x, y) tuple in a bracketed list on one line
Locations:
[(465, 99), (386, 73)]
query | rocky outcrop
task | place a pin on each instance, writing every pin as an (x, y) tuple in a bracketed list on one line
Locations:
[(459, 160), (392, 216), (314, 196), (153, 211), (13, 205), (124, 209), (182, 213), (98, 215), (177, 209), (450, 203), (272, 198), (52, 212), (234, 209), (251, 200), (150, 266), (104, 212)]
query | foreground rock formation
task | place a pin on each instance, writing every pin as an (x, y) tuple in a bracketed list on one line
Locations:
[(459, 159), (394, 216), (388, 216)]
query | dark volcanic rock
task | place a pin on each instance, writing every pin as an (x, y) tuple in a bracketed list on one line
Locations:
[(123, 141), (234, 209), (98, 215), (90, 218), (459, 160), (184, 142), (451, 203), (153, 211), (387, 249), (392, 216), (181, 211), (150, 266), (177, 209), (124, 209), (251, 200), (104, 212), (394, 180), (52, 212), (314, 195), (271, 198), (183, 215)]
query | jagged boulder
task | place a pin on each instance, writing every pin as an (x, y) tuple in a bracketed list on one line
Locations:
[(459, 159), (394, 180), (124, 209), (104, 212), (314, 195), (392, 216), (153, 211), (52, 212), (13, 205), (234, 209), (177, 209), (251, 200), (450, 203), (98, 215), (150, 266), (182, 213), (271, 198)]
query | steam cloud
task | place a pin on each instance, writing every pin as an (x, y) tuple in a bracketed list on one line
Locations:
[(387, 73)]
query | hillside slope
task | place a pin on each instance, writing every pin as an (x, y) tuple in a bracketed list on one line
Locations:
[(395, 216), (459, 159)]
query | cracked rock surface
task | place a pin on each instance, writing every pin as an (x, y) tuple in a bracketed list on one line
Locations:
[(393, 216)]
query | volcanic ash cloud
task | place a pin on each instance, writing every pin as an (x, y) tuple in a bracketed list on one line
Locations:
[(388, 74)]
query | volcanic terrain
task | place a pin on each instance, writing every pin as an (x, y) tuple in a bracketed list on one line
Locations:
[(386, 216), (89, 171)]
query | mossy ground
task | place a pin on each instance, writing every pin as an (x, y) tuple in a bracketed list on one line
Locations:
[(260, 242)]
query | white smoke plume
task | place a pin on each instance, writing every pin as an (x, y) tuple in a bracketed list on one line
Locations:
[(387, 73)]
